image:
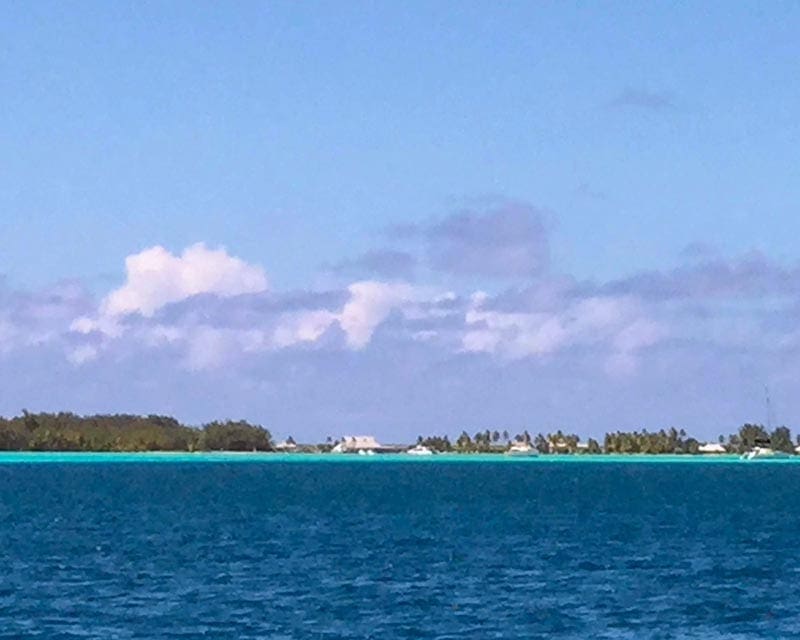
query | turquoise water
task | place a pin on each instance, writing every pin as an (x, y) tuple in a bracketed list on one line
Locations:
[(36, 457), (269, 546)]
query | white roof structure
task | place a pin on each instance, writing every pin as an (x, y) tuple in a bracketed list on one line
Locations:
[(285, 445), (356, 443), (711, 447)]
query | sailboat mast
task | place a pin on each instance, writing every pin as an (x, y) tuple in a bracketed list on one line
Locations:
[(769, 409)]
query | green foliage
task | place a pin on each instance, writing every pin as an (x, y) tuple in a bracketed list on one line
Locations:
[(464, 443), (673, 441), (663, 441), (436, 443), (593, 447), (747, 437), (559, 442), (781, 440), (234, 436), (69, 432), (122, 432)]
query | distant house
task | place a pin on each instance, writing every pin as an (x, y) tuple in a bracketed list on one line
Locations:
[(711, 447), (354, 444), (286, 445)]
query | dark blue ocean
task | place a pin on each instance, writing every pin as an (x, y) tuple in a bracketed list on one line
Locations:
[(399, 550)]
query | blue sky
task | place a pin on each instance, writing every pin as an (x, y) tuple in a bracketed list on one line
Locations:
[(552, 157)]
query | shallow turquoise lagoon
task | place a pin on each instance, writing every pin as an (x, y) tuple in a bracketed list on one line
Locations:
[(34, 457)]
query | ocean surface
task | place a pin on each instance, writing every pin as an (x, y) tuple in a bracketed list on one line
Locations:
[(171, 546)]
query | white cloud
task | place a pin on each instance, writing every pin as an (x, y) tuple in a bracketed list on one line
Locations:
[(210, 347), (304, 326), (553, 328), (370, 303), (615, 323), (105, 325), (156, 277), (82, 354)]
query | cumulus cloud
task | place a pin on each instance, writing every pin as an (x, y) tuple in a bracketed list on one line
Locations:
[(370, 304), (302, 327), (156, 277)]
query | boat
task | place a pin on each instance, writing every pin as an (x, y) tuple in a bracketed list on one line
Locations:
[(419, 450), (762, 447), (521, 449), (763, 450), (366, 452)]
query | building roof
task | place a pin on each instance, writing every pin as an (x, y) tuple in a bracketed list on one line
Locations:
[(357, 443), (711, 447)]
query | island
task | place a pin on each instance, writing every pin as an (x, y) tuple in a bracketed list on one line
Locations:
[(65, 431)]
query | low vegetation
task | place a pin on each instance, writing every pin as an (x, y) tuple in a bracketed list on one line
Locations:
[(130, 433), (665, 441), (69, 432)]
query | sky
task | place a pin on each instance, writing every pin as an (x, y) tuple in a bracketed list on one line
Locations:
[(402, 218)]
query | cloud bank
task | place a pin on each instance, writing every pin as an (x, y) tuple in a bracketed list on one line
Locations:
[(201, 334), (508, 241)]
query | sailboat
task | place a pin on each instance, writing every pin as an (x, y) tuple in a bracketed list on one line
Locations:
[(762, 447)]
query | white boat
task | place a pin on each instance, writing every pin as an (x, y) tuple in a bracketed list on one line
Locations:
[(419, 450), (764, 452), (521, 449), (762, 448)]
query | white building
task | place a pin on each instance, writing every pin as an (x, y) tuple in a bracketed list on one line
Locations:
[(354, 444), (711, 447), (286, 445)]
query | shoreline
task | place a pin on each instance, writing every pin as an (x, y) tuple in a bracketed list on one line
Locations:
[(268, 457)]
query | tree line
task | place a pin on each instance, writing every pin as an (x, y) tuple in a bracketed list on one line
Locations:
[(130, 433), (122, 432), (664, 441), (496, 442)]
